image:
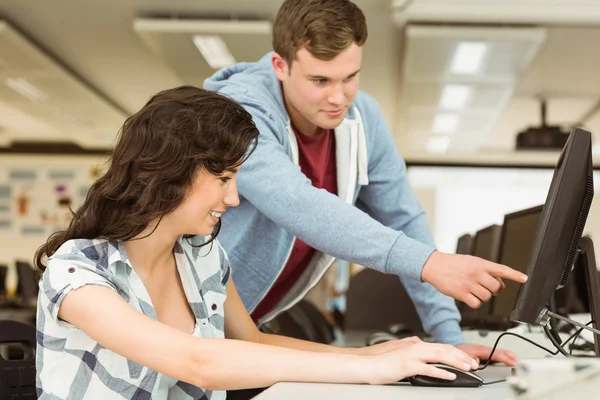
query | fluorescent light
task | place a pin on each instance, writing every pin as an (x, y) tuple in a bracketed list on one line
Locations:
[(455, 96), (468, 58), (203, 26), (26, 89), (74, 119), (438, 144), (445, 123), (214, 50)]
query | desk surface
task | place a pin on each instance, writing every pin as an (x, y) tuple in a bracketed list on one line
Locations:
[(303, 391)]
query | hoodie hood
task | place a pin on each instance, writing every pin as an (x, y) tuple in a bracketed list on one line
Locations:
[(250, 82), (255, 84)]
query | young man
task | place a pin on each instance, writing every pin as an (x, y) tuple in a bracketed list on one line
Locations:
[(326, 181)]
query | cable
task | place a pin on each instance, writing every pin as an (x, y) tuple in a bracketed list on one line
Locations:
[(493, 382), (489, 360), (550, 332), (577, 337), (578, 324)]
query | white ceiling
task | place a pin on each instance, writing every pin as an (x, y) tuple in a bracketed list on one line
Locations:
[(95, 43)]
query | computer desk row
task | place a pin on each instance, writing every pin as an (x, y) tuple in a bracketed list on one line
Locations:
[(402, 390)]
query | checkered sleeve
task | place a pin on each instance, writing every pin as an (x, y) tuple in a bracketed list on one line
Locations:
[(69, 268)]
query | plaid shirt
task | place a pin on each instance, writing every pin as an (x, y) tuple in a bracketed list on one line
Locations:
[(71, 365)]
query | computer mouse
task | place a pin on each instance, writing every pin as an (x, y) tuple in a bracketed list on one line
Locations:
[(380, 337), (463, 378)]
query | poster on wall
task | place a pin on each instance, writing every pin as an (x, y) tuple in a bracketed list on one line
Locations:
[(5, 208), (41, 200)]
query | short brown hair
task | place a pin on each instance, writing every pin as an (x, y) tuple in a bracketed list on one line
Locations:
[(160, 149), (324, 27)]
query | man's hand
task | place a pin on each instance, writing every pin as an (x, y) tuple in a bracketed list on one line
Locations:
[(483, 352), (469, 279)]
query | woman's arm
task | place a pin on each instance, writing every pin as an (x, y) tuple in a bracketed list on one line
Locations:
[(239, 325), (212, 364)]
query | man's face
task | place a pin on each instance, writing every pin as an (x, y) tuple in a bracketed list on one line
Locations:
[(318, 93)]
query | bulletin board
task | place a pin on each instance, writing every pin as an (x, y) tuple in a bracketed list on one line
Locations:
[(37, 198)]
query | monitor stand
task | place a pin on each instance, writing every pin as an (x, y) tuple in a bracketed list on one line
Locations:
[(592, 278), (585, 259)]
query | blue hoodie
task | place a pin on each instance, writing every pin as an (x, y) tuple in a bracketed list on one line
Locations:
[(375, 220)]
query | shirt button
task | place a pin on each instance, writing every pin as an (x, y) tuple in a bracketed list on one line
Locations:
[(71, 270), (214, 307)]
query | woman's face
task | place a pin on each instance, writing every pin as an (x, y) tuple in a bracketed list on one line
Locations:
[(207, 199)]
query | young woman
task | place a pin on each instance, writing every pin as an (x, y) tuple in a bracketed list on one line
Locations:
[(136, 299)]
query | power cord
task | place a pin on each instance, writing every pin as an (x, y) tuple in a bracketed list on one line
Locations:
[(493, 382), (489, 360), (573, 346)]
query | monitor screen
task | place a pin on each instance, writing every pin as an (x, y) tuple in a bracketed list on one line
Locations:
[(465, 244), (560, 228), (518, 232), (487, 243)]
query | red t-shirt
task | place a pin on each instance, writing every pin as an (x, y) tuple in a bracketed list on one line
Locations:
[(316, 156)]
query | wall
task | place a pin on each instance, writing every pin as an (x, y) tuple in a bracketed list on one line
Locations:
[(468, 199), (35, 195)]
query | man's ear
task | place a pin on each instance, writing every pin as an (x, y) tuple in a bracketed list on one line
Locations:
[(280, 66)]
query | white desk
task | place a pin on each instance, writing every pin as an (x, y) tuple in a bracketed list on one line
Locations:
[(304, 391)]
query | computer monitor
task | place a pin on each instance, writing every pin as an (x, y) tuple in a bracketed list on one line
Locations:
[(588, 264), (486, 244), (27, 287), (465, 244), (516, 240), (559, 231)]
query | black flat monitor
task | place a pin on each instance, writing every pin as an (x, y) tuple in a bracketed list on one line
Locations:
[(3, 273), (587, 262), (486, 244), (516, 240), (27, 287), (559, 231), (465, 244)]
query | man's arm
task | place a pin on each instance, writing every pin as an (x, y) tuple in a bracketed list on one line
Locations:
[(390, 199), (278, 189)]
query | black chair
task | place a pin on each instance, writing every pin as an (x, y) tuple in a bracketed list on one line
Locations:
[(17, 377), (3, 272), (323, 328), (302, 321), (378, 302)]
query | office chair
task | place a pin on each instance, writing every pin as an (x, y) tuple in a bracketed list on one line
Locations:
[(3, 272), (17, 377), (289, 323), (302, 321), (323, 328), (377, 301)]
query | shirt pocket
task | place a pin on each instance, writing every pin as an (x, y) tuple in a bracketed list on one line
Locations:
[(215, 307)]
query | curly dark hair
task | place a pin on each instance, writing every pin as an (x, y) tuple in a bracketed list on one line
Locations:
[(159, 151)]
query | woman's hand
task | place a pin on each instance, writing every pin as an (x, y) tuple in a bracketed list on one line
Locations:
[(412, 357), (385, 347)]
